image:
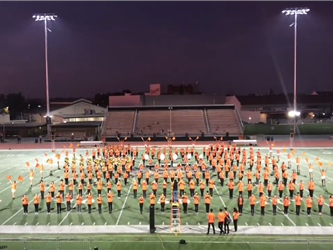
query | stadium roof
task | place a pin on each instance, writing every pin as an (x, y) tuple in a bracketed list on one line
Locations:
[(78, 124)]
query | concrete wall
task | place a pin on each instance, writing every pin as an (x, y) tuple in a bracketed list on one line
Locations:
[(5, 118), (125, 100), (182, 100), (233, 100), (251, 117)]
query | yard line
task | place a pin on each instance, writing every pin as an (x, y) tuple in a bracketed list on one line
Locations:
[(258, 224), (48, 223), (163, 223), (282, 224), (198, 224), (186, 223), (26, 223), (14, 224), (128, 223), (122, 209), (246, 224), (22, 207), (82, 224), (64, 218), (270, 224), (71, 223), (331, 224), (290, 220), (94, 224), (306, 224), (318, 224), (139, 223), (37, 223), (105, 223), (219, 196)]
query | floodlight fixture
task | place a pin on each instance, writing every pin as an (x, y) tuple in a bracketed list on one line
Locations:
[(294, 113), (44, 17), (296, 11)]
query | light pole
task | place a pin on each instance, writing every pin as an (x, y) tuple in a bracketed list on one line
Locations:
[(44, 18), (170, 131), (295, 12)]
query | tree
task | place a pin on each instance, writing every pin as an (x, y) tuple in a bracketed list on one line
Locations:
[(16, 104)]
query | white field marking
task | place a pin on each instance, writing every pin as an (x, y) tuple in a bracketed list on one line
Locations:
[(186, 223), (140, 223), (290, 220), (219, 196), (270, 224), (318, 224), (48, 223), (198, 224), (163, 223), (64, 218), (22, 207), (105, 223), (71, 223), (246, 224), (82, 224), (128, 223), (26, 223), (94, 224), (14, 224), (331, 224), (122, 208), (306, 224), (282, 224), (37, 223), (258, 224)]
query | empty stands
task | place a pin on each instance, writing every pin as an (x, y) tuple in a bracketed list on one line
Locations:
[(118, 122), (151, 122), (144, 122), (222, 121), (189, 121)]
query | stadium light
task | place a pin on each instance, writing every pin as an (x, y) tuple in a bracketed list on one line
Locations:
[(45, 18), (295, 12), (294, 113)]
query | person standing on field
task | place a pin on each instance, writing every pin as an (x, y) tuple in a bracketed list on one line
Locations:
[(211, 220), (221, 218), (48, 199), (36, 203), (235, 218)]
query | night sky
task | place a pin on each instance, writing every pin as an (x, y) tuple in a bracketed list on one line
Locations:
[(95, 47)]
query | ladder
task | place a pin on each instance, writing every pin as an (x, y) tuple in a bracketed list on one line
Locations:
[(175, 215)]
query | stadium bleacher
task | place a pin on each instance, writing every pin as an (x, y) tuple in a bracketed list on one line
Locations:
[(188, 121), (119, 122), (151, 122), (155, 121), (222, 121)]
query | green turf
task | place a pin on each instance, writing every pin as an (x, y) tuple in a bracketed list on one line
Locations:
[(169, 242), (127, 213)]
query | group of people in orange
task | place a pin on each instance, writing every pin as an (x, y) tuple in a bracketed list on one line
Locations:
[(119, 165)]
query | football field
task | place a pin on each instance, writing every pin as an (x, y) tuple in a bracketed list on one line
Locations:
[(14, 163)]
